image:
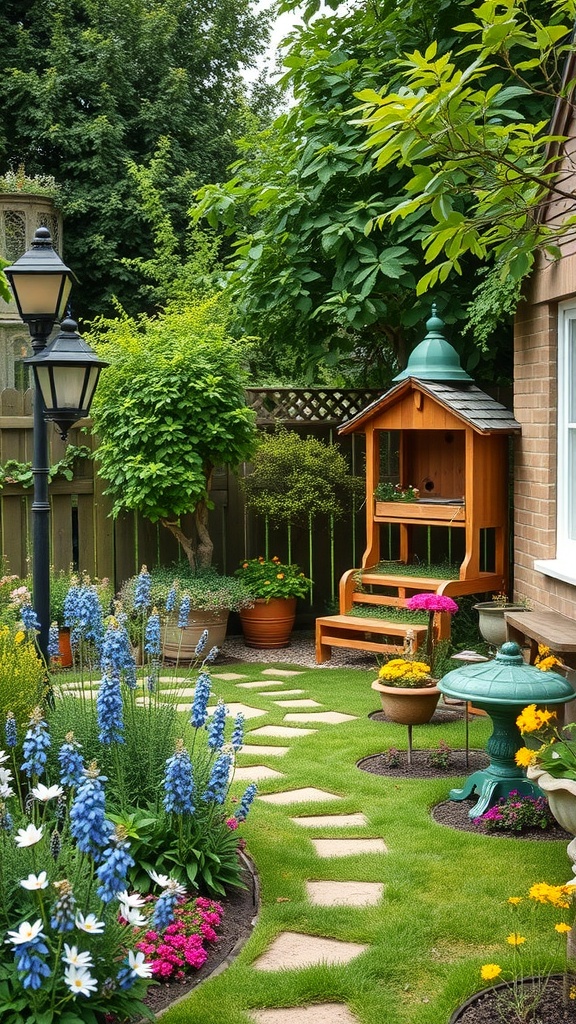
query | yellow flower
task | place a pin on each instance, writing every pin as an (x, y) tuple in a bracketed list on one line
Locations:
[(489, 971), (514, 900), (279, 575), (541, 892), (563, 927), (532, 719), (20, 635), (525, 757), (515, 939), (572, 992)]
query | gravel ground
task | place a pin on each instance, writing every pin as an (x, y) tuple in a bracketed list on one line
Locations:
[(299, 652)]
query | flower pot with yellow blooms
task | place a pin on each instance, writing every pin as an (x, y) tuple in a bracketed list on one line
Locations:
[(274, 587)]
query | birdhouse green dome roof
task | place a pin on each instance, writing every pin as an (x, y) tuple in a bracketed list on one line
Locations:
[(434, 358), (506, 679)]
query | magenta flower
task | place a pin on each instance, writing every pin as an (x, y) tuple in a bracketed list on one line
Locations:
[(431, 603)]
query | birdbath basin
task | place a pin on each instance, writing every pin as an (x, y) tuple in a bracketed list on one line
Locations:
[(503, 687)]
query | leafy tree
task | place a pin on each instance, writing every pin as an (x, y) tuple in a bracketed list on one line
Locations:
[(308, 273), (90, 88), (169, 408), (479, 171)]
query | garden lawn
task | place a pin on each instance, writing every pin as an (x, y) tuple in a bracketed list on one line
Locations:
[(443, 912)]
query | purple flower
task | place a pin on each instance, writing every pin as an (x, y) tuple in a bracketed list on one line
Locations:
[(28, 955)]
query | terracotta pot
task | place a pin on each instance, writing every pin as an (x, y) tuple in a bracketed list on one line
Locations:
[(491, 622), (180, 644), (408, 705), (269, 623), (64, 658)]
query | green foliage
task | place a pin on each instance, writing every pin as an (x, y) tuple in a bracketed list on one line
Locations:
[(21, 183), (294, 477), (479, 165), (206, 588), (22, 675), (269, 578), (170, 407), (15, 472), (90, 89)]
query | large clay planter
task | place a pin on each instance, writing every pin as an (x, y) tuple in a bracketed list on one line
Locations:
[(180, 644), (561, 796), (64, 657), (269, 623), (407, 705)]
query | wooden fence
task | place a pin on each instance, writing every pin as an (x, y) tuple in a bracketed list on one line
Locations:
[(83, 533)]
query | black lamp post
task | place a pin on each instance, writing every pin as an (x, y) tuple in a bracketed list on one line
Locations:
[(65, 375)]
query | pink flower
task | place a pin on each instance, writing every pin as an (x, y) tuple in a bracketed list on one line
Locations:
[(232, 823), (431, 603), (208, 933)]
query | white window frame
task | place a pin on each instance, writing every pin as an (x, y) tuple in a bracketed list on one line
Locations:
[(563, 567)]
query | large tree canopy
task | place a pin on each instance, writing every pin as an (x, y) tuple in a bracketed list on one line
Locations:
[(90, 87), (310, 274)]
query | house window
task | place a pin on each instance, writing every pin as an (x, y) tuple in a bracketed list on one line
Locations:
[(563, 567)]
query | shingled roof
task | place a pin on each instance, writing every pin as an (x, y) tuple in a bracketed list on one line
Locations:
[(466, 401)]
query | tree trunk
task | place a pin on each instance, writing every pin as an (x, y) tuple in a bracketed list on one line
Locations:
[(204, 547), (186, 542)]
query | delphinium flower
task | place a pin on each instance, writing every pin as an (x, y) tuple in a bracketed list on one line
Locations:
[(153, 677), (6, 820), (29, 618), (53, 641), (134, 967), (36, 745), (88, 824), (116, 656), (183, 612), (199, 712), (218, 782), (142, 590), (71, 762), (171, 599), (90, 613), (114, 867), (179, 782), (10, 731), (29, 948), (238, 732), (165, 905), (55, 844), (212, 655), (109, 709), (202, 642), (241, 812), (152, 635), (216, 726), (64, 909)]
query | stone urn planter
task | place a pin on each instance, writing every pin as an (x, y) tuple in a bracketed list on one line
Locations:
[(407, 705), (491, 621), (180, 644), (269, 623)]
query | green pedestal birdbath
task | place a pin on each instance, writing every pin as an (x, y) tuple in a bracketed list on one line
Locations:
[(503, 687)]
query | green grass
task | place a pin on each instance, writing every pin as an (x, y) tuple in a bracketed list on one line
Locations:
[(444, 910)]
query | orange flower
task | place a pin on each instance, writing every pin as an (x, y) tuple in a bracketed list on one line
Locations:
[(279, 575)]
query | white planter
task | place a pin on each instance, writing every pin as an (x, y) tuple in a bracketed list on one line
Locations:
[(561, 796)]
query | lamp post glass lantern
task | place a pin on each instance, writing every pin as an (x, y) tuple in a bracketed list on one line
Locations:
[(65, 375)]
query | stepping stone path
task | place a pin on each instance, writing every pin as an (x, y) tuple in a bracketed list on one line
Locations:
[(348, 847), (306, 703), (344, 894), (262, 748), (293, 949), (320, 1013), (228, 676), (299, 796), (237, 709), (281, 730), (331, 820), (259, 684), (279, 693), (280, 672), (255, 773)]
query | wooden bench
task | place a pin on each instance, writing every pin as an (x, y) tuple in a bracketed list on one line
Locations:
[(352, 632), (548, 628)]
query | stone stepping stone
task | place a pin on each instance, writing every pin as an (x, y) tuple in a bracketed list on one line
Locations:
[(174, 679), (279, 693), (230, 676), (280, 672), (344, 894), (281, 730), (300, 796), (255, 773), (348, 847), (291, 950), (320, 1013), (305, 703), (263, 682), (236, 709), (330, 717), (331, 820), (262, 748), (184, 693)]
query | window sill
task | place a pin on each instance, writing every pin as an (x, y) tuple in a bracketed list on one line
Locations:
[(557, 570)]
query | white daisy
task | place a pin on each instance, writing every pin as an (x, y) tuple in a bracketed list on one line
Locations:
[(161, 880), (28, 836), (133, 916), (35, 881), (5, 776), (5, 791), (138, 965), (80, 981), (45, 793), (4, 756), (26, 932), (89, 924), (133, 899), (76, 959)]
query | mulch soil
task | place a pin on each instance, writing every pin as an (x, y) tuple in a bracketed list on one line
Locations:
[(240, 909), (493, 1007)]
